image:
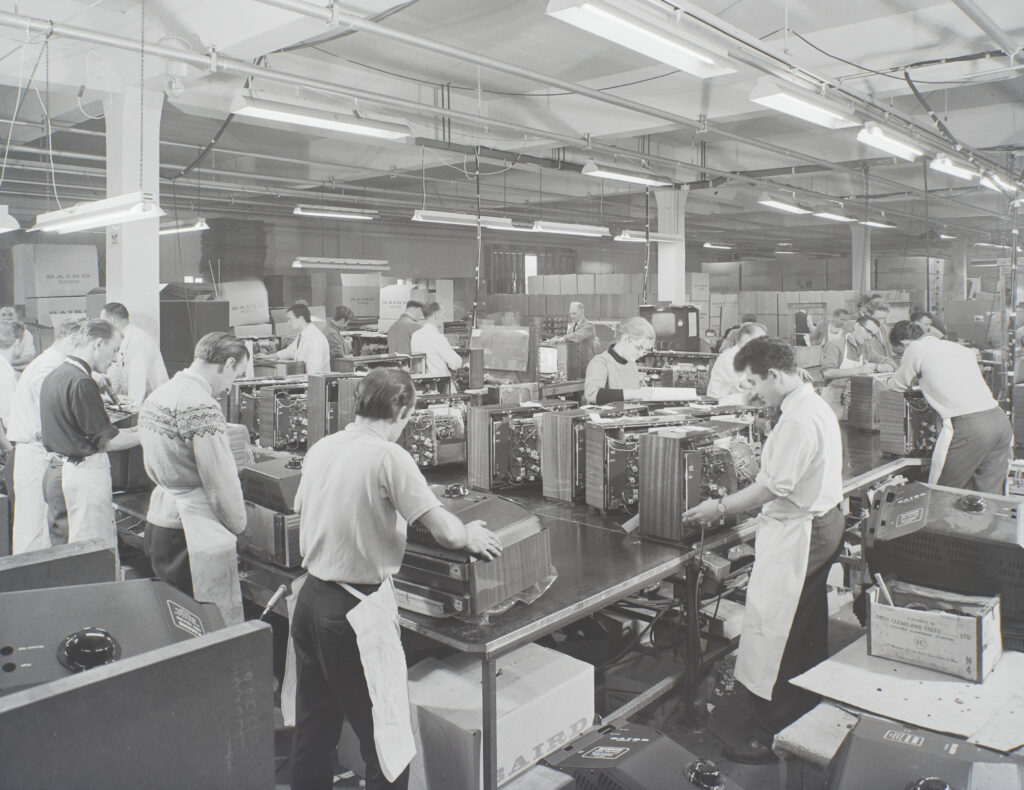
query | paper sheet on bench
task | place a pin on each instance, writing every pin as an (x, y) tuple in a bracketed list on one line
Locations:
[(989, 713)]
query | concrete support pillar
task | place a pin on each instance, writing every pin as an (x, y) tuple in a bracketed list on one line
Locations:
[(860, 257), (133, 249), (955, 279), (672, 255)]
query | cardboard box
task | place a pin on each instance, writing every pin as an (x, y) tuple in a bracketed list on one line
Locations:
[(747, 301), (956, 634), (253, 330), (42, 270), (535, 284), (635, 283), (567, 283), (393, 299), (50, 310), (618, 283), (586, 284), (536, 304), (767, 303), (545, 699), (771, 323), (785, 325)]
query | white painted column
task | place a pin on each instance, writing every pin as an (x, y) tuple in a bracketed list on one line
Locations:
[(671, 255), (860, 258), (133, 249)]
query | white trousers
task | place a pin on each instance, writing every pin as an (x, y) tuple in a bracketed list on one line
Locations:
[(31, 531), (90, 499)]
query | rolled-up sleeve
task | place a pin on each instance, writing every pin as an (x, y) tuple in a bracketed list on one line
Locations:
[(907, 372), (788, 453), (831, 354)]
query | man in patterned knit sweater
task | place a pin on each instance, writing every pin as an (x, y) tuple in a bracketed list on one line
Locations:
[(196, 509)]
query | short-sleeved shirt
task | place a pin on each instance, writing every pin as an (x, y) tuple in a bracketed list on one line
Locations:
[(357, 494), (72, 417)]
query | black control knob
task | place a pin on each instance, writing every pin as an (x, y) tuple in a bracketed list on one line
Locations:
[(88, 648), (930, 783), (705, 775), (971, 503)]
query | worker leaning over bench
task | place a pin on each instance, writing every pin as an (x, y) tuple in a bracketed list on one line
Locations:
[(799, 534), (358, 491), (613, 375), (974, 447)]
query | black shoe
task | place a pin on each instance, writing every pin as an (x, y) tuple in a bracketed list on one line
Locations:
[(753, 752)]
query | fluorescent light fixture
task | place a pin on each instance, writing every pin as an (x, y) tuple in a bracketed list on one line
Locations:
[(997, 184), (885, 140), (570, 229), (783, 244), (786, 252), (129, 207), (946, 236), (591, 168), (456, 218), (341, 264), (262, 109), (772, 202), (639, 236), (652, 34), (800, 104), (714, 245), (874, 223), (834, 217), (7, 222), (991, 245), (333, 212), (944, 164), (183, 226)]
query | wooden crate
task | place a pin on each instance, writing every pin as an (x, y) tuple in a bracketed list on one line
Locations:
[(864, 391)]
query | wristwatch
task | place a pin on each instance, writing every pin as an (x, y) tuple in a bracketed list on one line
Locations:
[(721, 506)]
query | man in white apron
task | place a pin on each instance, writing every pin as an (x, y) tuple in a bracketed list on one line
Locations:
[(358, 491), (800, 531), (974, 447), (850, 355), (77, 433), (196, 510)]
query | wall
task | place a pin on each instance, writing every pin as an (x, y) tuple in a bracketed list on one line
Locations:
[(784, 273)]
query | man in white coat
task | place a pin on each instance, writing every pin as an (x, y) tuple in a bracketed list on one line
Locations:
[(139, 367)]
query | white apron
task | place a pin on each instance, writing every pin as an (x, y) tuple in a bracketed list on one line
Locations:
[(942, 442), (90, 500), (212, 553), (781, 552), (378, 635), (31, 531)]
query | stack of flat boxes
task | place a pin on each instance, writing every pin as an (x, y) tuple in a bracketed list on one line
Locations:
[(53, 282), (605, 296)]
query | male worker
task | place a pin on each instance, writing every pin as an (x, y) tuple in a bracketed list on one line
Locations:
[(429, 339), (139, 367), (709, 343), (581, 334), (974, 447), (853, 354), (927, 322), (9, 334), (196, 509), (612, 375), (31, 531), (340, 345), (77, 431), (833, 329), (800, 532), (730, 334), (877, 309), (400, 333), (726, 384), (310, 346), (358, 492), (25, 351)]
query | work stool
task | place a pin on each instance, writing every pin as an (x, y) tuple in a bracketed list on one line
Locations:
[(807, 746)]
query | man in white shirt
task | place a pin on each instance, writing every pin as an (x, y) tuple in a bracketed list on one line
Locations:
[(9, 331), (25, 349), (800, 487), (310, 345), (726, 384), (31, 531), (429, 339), (975, 446), (139, 367)]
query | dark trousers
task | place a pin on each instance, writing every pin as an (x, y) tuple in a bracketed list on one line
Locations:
[(807, 645), (56, 507), (331, 688), (168, 554), (980, 452)]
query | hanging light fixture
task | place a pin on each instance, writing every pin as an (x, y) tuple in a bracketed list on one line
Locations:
[(330, 212), (7, 222), (129, 207), (767, 199), (946, 236), (943, 164), (591, 168), (340, 264), (886, 140), (877, 223), (468, 220), (834, 217), (570, 229), (716, 245), (250, 107), (640, 236), (799, 103), (183, 226), (997, 184), (642, 30)]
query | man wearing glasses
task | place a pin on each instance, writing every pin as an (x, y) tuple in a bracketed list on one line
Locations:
[(725, 384), (612, 376)]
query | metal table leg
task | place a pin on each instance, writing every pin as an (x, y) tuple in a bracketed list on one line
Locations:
[(490, 723)]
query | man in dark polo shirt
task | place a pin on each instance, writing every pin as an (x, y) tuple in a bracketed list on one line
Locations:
[(78, 433)]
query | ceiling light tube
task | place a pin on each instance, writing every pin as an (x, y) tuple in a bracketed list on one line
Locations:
[(991, 245), (997, 184), (801, 104), (769, 200), (946, 236), (654, 35), (7, 222), (570, 229), (714, 245), (340, 264), (333, 212), (834, 217), (129, 207), (885, 140), (262, 109), (786, 252), (591, 168), (466, 220), (944, 164), (873, 223), (184, 226), (640, 236)]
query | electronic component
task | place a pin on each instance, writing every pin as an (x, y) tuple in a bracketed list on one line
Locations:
[(416, 363), (272, 480), (908, 425), (127, 468), (282, 418), (676, 327), (677, 369), (241, 403), (436, 433), (439, 582), (274, 536)]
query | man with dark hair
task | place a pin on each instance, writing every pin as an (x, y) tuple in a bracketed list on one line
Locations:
[(196, 510), (974, 447), (852, 355), (832, 330), (310, 346), (800, 532), (927, 322), (709, 343), (730, 334), (400, 333), (726, 384), (30, 531), (355, 484), (429, 339), (139, 367), (77, 431), (340, 345)]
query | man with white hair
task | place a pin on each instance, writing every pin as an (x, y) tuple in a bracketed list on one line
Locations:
[(139, 367), (581, 334), (725, 384), (612, 375), (25, 348)]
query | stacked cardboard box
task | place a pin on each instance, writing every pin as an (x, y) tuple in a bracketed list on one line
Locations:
[(53, 281)]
